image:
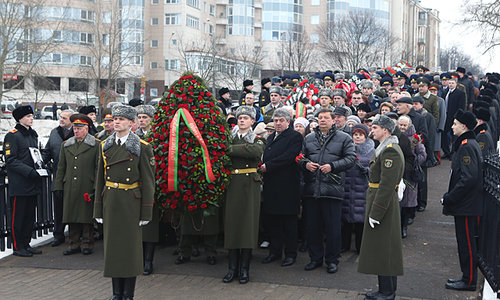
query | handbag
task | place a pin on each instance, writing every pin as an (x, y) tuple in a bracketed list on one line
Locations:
[(417, 174)]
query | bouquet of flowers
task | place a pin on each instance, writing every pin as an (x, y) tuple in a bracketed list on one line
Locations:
[(415, 140), (334, 177), (190, 138)]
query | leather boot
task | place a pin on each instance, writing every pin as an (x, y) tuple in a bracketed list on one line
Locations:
[(233, 256), (149, 252), (245, 265), (117, 288), (128, 288)]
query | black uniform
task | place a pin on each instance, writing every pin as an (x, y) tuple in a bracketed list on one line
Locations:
[(24, 183), (464, 201), (225, 105), (484, 139), (264, 97)]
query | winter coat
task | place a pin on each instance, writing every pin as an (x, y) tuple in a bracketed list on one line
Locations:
[(53, 147), (440, 125), (411, 191), (431, 137), (484, 140), (281, 190), (338, 151), (456, 100), (356, 184)]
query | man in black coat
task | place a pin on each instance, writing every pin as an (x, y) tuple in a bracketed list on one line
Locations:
[(464, 199), (469, 86), (483, 136), (328, 153), (51, 153), (281, 188), (225, 102), (454, 100), (264, 97), (247, 88), (24, 181), (405, 107)]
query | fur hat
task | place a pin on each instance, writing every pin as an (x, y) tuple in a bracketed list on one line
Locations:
[(146, 109), (325, 92), (461, 70), (338, 76), (246, 110), (361, 128), (364, 107), (247, 82), (265, 80), (466, 118), (87, 109), (135, 102), (339, 92), (125, 111), (22, 111), (223, 90), (276, 89), (482, 114), (384, 122)]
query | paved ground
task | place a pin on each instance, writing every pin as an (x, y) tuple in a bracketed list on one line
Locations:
[(430, 257)]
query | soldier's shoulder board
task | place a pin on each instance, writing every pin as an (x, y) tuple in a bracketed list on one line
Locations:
[(389, 146), (144, 142), (482, 131), (13, 131), (464, 142)]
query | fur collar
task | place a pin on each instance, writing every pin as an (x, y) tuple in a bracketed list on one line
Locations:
[(366, 147), (390, 140), (480, 127), (466, 135), (26, 131), (132, 145), (89, 140), (249, 137)]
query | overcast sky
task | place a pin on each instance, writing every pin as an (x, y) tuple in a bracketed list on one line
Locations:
[(450, 13)]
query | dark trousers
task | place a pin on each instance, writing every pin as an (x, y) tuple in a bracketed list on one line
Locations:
[(447, 137), (347, 230), (282, 231), (23, 219), (207, 241), (406, 213), (422, 190), (323, 220), (465, 230), (58, 215), (86, 231)]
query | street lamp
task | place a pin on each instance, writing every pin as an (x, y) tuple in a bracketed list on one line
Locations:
[(170, 55)]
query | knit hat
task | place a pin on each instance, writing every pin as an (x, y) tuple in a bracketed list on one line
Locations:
[(146, 110), (125, 111), (246, 110), (466, 118), (362, 128), (21, 111), (384, 122), (353, 118), (302, 121)]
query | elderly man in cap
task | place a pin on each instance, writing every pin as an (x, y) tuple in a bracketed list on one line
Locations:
[(91, 112), (328, 153), (74, 183), (24, 180), (247, 89), (464, 199), (224, 101), (275, 96), (242, 205), (381, 246), (145, 114), (328, 80), (264, 93), (124, 194), (108, 127), (341, 114)]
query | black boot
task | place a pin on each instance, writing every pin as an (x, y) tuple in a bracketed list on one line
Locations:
[(233, 256), (128, 288), (149, 252), (245, 265), (117, 288)]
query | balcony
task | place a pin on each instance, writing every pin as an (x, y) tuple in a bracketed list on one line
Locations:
[(221, 21), (258, 5), (221, 41), (421, 41), (258, 25), (223, 2)]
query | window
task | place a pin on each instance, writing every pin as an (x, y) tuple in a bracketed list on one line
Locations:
[(87, 15), (172, 1), (86, 38), (212, 10), (106, 17), (57, 35), (105, 39), (172, 64), (154, 21), (153, 92), (193, 3), (174, 42), (85, 60), (205, 6), (155, 2), (172, 19), (154, 65), (210, 29), (154, 43), (78, 85), (47, 83), (192, 22), (314, 38), (315, 19), (314, 2), (56, 58)]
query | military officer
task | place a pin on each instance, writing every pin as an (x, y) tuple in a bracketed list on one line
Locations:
[(24, 181), (464, 199), (275, 96), (124, 200), (108, 127), (76, 175), (264, 97), (242, 205), (145, 114), (400, 81), (483, 135), (381, 246)]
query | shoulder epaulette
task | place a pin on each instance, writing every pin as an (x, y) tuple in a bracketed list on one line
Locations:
[(390, 145), (464, 142), (258, 136), (13, 131), (482, 131), (144, 142)]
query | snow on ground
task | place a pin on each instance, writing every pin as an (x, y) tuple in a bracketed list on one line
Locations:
[(42, 127)]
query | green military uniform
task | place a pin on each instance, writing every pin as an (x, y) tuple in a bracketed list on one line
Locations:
[(268, 111), (102, 135), (197, 229), (431, 104), (76, 176), (242, 206), (124, 196), (381, 248)]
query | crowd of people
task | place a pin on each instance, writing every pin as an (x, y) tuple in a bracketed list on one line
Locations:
[(308, 171)]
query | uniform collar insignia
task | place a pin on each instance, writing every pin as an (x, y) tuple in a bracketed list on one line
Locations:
[(249, 137)]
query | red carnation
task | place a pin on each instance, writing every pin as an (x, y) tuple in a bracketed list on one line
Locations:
[(86, 197)]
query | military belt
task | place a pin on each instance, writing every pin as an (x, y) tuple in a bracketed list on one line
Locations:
[(244, 171), (122, 186), (376, 185)]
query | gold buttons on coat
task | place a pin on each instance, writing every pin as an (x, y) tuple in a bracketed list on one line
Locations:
[(107, 168), (76, 157), (75, 167), (109, 177), (127, 179), (128, 169), (74, 178), (115, 185)]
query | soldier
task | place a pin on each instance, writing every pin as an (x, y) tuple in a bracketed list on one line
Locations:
[(145, 114), (24, 181), (247, 89), (124, 200), (108, 127), (76, 176), (464, 199), (242, 205), (264, 97), (430, 100), (328, 80), (90, 111), (400, 81), (325, 101), (225, 102), (268, 110), (381, 246), (483, 136)]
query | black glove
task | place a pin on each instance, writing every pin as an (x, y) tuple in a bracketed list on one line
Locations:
[(59, 194), (34, 174)]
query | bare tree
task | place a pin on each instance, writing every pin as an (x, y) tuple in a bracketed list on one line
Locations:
[(24, 44), (451, 58), (296, 52), (352, 41), (484, 15), (247, 65)]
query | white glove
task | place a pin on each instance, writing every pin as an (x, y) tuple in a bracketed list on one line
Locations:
[(373, 222), (98, 220), (142, 223), (441, 201)]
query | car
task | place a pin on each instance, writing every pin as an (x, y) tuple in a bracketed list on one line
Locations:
[(154, 101), (47, 113), (7, 109)]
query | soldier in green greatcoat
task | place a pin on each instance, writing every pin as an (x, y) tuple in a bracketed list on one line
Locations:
[(76, 175), (124, 200), (242, 206), (381, 246)]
